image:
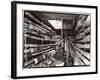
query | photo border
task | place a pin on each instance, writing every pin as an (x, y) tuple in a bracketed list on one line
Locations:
[(14, 38)]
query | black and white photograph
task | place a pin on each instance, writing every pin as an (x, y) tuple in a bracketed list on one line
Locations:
[(56, 39), (53, 40)]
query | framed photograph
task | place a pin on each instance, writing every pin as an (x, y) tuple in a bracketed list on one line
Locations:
[(53, 39)]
